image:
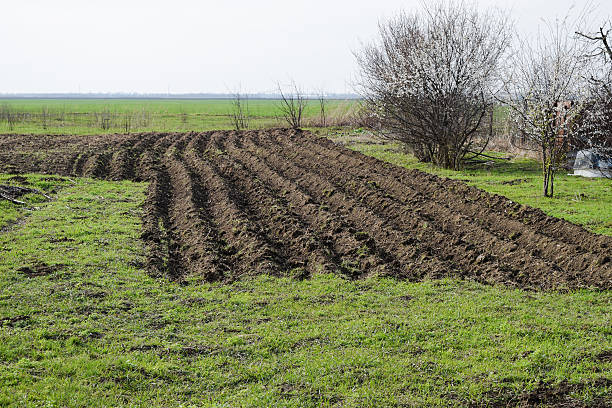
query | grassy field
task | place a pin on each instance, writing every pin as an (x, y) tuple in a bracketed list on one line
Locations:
[(583, 201), (96, 116), (83, 325)]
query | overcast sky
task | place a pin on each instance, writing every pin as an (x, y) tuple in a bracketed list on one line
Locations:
[(202, 46)]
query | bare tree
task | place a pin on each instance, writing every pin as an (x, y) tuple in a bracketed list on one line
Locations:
[(240, 111), (595, 123), (10, 116), (600, 53), (545, 94), (322, 107), (430, 77), (292, 105), (127, 122), (45, 117)]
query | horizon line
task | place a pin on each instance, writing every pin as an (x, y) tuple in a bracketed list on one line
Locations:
[(162, 95)]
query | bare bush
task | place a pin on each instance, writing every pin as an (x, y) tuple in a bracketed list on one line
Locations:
[(430, 76), (322, 106), (44, 117), (10, 116), (127, 122), (292, 105), (240, 111)]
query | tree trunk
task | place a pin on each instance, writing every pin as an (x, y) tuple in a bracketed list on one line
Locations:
[(548, 172), (544, 173), (552, 181), (549, 179)]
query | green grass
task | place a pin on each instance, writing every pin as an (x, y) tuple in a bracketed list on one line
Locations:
[(10, 213), (84, 116), (98, 331), (583, 201)]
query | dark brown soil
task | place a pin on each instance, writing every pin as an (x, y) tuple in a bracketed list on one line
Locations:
[(549, 396), (39, 269), (11, 321), (224, 204)]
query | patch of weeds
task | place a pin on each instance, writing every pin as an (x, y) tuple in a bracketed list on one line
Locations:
[(361, 236), (363, 251)]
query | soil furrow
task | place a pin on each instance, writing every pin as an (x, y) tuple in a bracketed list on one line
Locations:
[(249, 249), (537, 255), (195, 245), (354, 252), (417, 258), (161, 260), (97, 165), (314, 248), (122, 161), (155, 224), (476, 201)]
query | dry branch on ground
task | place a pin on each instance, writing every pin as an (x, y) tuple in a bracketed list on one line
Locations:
[(12, 193)]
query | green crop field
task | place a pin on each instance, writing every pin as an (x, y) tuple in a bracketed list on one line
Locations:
[(96, 116)]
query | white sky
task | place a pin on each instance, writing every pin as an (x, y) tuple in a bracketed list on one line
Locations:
[(203, 46)]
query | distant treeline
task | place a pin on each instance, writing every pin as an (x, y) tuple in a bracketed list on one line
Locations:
[(342, 96)]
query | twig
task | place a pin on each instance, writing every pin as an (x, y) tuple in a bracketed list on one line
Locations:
[(4, 190), (12, 200), (490, 157)]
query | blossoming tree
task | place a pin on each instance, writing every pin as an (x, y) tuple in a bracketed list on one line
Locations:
[(546, 94), (430, 76)]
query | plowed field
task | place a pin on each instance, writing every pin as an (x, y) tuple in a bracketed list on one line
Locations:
[(224, 204)]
